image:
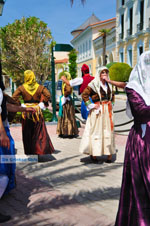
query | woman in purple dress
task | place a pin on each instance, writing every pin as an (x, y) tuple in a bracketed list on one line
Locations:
[(134, 206)]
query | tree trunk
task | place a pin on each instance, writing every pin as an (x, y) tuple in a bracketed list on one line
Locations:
[(104, 49)]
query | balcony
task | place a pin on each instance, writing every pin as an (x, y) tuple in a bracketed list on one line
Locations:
[(129, 32), (121, 35), (140, 27)]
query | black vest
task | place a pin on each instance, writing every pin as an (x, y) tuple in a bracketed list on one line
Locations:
[(4, 109)]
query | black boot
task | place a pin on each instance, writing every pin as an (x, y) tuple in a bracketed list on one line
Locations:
[(4, 218)]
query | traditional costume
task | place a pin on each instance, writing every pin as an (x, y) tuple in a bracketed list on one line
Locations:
[(83, 82), (7, 170), (35, 136), (134, 206), (98, 136), (67, 126)]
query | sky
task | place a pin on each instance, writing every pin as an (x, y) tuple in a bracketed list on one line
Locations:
[(59, 16)]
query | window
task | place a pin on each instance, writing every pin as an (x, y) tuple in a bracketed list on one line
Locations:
[(140, 50), (122, 2), (130, 57), (141, 12), (130, 21), (89, 47), (121, 57), (80, 52), (86, 48), (83, 50), (122, 26)]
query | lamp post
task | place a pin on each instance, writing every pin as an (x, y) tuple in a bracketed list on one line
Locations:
[(54, 118), (2, 2)]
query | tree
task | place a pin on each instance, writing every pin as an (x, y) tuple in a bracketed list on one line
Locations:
[(82, 1), (26, 45), (103, 33), (72, 63)]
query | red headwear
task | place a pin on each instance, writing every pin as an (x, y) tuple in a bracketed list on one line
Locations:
[(85, 68)]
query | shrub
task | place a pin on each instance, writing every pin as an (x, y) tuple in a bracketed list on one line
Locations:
[(47, 115), (120, 72), (110, 64)]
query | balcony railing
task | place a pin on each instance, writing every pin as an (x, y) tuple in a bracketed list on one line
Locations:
[(139, 27), (129, 31), (121, 35)]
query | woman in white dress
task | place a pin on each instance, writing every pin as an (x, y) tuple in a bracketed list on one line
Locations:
[(98, 137)]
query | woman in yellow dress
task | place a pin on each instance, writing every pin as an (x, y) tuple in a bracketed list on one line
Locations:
[(35, 136), (66, 126)]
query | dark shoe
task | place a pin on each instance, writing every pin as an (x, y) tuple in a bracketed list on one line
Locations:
[(94, 160), (4, 218), (46, 158), (108, 161)]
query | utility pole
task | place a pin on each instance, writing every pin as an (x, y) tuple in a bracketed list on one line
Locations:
[(54, 118)]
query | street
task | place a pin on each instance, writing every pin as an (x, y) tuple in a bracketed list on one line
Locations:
[(66, 191)]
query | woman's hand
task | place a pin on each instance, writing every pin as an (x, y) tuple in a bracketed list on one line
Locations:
[(63, 78), (4, 140), (30, 109), (96, 106), (106, 79)]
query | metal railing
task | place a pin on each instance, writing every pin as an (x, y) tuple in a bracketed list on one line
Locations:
[(139, 27), (122, 124), (129, 31)]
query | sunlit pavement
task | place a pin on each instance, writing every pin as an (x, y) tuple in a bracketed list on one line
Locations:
[(65, 191)]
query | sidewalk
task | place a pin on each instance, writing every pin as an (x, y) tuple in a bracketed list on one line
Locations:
[(65, 192)]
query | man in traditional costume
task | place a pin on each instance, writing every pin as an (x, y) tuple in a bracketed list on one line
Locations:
[(83, 82)]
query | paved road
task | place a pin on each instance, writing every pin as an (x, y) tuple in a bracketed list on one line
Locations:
[(65, 192)]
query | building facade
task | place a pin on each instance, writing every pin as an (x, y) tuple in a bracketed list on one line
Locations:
[(87, 39), (132, 30)]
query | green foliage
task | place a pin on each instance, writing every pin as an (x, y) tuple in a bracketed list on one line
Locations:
[(17, 118), (26, 45), (120, 72), (72, 63), (104, 31), (47, 115), (110, 64)]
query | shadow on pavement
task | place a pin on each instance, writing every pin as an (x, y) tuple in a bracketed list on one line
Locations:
[(35, 203)]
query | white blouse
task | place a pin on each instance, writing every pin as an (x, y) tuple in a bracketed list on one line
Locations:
[(76, 82)]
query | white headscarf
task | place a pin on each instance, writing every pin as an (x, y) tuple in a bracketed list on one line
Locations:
[(96, 82), (139, 81)]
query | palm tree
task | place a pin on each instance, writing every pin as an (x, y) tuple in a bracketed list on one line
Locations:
[(82, 1), (103, 33)]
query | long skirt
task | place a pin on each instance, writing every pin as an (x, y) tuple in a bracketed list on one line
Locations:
[(134, 205), (67, 125), (98, 136), (35, 137), (8, 169)]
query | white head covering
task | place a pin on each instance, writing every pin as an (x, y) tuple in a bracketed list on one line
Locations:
[(140, 77), (96, 83), (139, 81)]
